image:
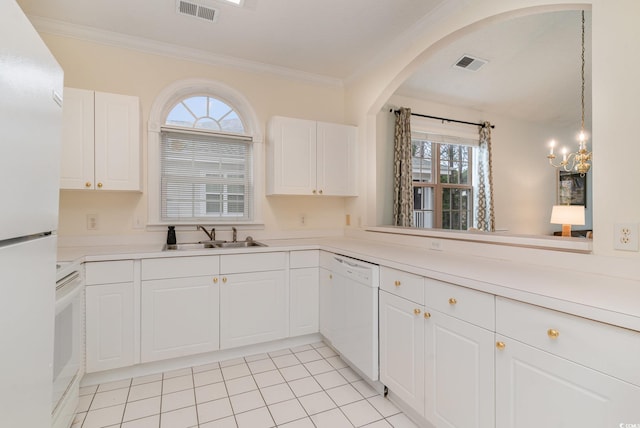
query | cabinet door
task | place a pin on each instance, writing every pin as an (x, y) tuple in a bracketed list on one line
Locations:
[(537, 389), (109, 326), (336, 159), (402, 349), (179, 317), (459, 373), (326, 283), (291, 161), (253, 308), (304, 301), (117, 142), (76, 169)]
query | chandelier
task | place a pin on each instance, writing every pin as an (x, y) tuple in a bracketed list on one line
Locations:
[(575, 161)]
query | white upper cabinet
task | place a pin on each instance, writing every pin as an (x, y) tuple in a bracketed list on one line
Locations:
[(100, 141), (306, 157)]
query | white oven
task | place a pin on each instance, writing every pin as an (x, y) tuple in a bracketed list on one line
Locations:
[(67, 349)]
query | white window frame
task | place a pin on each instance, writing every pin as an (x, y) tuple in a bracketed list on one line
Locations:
[(162, 105)]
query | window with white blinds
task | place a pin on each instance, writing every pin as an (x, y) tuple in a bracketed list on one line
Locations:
[(205, 176)]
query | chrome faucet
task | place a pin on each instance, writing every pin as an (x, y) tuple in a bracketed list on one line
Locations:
[(235, 234), (211, 235)]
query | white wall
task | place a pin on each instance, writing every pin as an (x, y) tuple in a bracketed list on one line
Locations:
[(110, 69), (615, 93)]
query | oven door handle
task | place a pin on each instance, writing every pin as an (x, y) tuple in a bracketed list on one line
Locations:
[(65, 300)]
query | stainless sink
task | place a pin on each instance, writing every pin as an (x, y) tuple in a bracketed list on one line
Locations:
[(192, 246), (212, 244), (240, 244)]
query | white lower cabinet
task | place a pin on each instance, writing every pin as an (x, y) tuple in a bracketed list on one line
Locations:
[(537, 389), (110, 315), (555, 370), (459, 372), (402, 349), (179, 317), (304, 301), (253, 308)]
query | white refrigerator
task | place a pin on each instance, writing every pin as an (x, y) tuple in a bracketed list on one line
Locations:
[(31, 83)]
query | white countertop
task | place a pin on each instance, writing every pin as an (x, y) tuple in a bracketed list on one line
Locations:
[(600, 297)]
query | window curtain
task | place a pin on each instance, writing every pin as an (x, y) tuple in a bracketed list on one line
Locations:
[(402, 171), (484, 215)]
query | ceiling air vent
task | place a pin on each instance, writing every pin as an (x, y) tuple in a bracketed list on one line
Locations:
[(196, 10), (470, 63)]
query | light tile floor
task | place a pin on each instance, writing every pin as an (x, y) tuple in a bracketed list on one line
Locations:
[(307, 386)]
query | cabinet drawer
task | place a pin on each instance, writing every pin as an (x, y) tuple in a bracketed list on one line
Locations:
[(469, 305), (304, 259), (239, 263), (180, 267), (603, 347), (403, 284), (108, 272)]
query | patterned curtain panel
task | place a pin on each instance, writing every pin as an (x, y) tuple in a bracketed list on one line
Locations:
[(484, 216), (403, 182)]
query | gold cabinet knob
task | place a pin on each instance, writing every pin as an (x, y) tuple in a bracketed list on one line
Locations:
[(552, 333), (314, 191), (320, 192), (417, 311), (224, 279), (330, 276), (87, 184), (427, 315), (397, 283), (452, 301), (215, 280), (99, 185), (500, 345)]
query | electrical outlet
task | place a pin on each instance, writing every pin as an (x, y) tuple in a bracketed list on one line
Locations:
[(625, 236), (92, 221)]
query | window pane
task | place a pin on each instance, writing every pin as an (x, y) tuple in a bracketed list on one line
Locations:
[(197, 105), (207, 123), (180, 116), (205, 113)]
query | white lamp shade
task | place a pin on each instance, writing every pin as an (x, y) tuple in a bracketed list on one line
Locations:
[(567, 214)]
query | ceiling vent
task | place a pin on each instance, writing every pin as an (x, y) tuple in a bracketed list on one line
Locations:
[(470, 63), (196, 10)]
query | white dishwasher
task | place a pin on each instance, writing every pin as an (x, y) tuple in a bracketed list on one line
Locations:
[(354, 313)]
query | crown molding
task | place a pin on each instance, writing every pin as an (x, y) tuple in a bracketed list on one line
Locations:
[(109, 38)]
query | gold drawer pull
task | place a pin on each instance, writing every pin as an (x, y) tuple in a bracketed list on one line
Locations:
[(397, 283), (500, 345), (330, 276), (99, 185), (417, 311), (452, 301), (427, 315), (314, 191), (224, 279), (87, 184), (215, 280), (552, 333)]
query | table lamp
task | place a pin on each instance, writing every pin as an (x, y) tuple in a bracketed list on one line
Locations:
[(567, 215)]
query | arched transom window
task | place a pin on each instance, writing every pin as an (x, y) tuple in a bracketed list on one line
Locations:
[(207, 113), (206, 163)]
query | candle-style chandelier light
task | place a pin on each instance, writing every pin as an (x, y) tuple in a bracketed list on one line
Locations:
[(575, 161)]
